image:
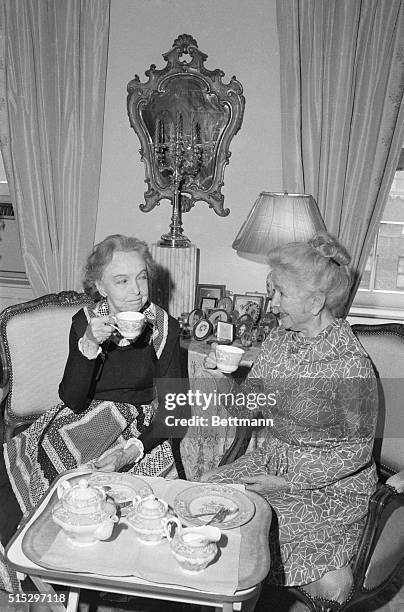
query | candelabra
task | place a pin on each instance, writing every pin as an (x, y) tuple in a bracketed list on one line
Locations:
[(179, 158)]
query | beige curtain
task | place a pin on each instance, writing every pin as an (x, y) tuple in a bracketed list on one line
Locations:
[(53, 62), (342, 84)]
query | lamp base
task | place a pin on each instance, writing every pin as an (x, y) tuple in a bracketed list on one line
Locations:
[(174, 242)]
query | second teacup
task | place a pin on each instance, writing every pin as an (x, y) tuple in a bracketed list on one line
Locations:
[(130, 324), (228, 357)]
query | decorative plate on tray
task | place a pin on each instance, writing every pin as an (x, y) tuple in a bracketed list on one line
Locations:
[(121, 488), (209, 498)]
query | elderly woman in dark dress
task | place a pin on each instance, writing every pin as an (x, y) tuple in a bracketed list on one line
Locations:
[(111, 413), (314, 466)]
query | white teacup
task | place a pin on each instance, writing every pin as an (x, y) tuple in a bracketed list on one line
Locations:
[(228, 357), (130, 324)]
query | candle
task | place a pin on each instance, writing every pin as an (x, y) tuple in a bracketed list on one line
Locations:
[(172, 132), (157, 132)]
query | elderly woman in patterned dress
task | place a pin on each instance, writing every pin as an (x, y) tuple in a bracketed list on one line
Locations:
[(314, 466)]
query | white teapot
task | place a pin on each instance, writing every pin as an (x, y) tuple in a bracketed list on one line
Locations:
[(149, 518), (193, 547), (84, 513)]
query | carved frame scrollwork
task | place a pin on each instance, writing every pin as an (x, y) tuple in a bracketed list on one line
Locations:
[(187, 103)]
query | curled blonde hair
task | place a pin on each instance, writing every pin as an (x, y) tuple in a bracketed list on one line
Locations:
[(102, 254), (320, 265)]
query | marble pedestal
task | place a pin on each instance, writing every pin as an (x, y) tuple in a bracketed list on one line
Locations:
[(176, 278)]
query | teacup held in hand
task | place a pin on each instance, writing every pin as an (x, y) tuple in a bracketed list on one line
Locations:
[(228, 357), (129, 324)]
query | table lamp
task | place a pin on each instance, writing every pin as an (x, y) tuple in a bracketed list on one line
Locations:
[(275, 219)]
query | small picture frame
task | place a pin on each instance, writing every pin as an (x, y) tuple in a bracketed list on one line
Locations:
[(256, 293), (226, 303), (244, 324), (249, 304), (260, 334), (268, 321), (224, 332), (209, 291), (218, 314), (207, 303), (247, 338), (202, 329), (194, 316)]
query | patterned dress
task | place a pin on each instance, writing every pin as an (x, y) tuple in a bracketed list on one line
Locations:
[(321, 443)]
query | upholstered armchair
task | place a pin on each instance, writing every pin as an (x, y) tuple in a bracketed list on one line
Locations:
[(380, 556), (34, 343)]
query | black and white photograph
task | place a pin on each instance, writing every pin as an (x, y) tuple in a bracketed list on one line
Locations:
[(249, 304), (207, 304), (174, 174), (215, 292)]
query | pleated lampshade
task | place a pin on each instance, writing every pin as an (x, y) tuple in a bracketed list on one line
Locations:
[(275, 219)]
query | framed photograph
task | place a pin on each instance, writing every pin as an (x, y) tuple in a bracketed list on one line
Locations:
[(256, 293), (218, 315), (260, 333), (209, 291), (249, 304), (265, 327), (194, 316), (244, 324), (224, 332), (226, 303), (269, 321), (207, 303), (202, 329), (247, 338)]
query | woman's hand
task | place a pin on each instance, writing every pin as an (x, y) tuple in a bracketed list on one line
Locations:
[(117, 458), (98, 330), (210, 360), (264, 484)]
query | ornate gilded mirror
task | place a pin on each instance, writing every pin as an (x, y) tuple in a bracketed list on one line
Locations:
[(185, 118)]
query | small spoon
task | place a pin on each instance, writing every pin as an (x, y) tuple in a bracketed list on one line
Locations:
[(219, 516)]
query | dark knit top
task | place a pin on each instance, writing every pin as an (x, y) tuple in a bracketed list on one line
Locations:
[(128, 374)]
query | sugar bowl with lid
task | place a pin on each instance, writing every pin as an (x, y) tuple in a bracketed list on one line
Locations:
[(149, 518), (84, 513)]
